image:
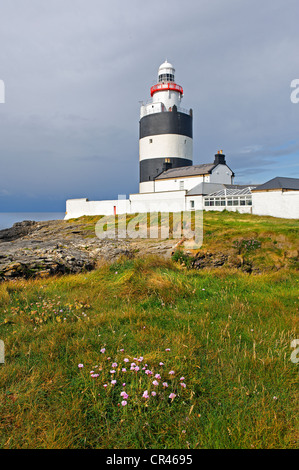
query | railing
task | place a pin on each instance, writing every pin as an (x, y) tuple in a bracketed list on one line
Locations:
[(147, 111), (166, 86)]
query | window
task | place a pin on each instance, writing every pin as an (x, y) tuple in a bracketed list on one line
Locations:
[(167, 160), (192, 204), (150, 141), (181, 184), (166, 77)]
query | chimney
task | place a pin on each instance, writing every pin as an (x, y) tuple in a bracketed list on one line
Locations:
[(219, 158)]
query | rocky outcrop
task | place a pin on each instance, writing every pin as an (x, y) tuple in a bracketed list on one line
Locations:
[(37, 249), (216, 260), (19, 229)]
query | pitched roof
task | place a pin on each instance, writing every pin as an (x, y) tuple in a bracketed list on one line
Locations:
[(183, 171), (279, 183), (204, 188)]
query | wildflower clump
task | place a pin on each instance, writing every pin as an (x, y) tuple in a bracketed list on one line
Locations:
[(136, 385)]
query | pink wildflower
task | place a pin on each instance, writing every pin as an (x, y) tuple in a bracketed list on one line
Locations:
[(161, 363), (126, 359), (154, 394), (124, 403), (145, 394), (113, 382), (158, 376), (171, 372), (80, 366), (168, 349), (103, 350), (155, 382), (172, 396), (183, 385), (114, 364), (182, 378), (165, 384), (124, 369)]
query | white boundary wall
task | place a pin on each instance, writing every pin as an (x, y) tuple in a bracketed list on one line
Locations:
[(79, 207), (147, 202), (283, 204), (277, 203)]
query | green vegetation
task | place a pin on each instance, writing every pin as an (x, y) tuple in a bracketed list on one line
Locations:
[(225, 334)]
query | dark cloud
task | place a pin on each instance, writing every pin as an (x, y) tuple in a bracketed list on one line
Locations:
[(75, 71)]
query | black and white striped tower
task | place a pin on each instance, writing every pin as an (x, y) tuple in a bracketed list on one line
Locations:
[(165, 133)]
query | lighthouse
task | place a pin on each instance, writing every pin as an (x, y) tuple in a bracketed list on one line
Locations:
[(165, 130)]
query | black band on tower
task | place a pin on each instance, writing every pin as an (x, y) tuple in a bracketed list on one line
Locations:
[(166, 123), (151, 168)]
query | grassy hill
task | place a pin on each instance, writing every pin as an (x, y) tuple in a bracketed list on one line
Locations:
[(220, 338)]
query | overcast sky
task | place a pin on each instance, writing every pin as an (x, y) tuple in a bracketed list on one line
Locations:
[(75, 72)]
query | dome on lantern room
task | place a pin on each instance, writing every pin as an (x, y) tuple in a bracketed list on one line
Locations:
[(166, 72)]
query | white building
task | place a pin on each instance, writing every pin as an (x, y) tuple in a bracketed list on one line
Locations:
[(278, 197), (169, 182)]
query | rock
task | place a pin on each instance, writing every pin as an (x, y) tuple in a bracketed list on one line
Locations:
[(212, 260), (39, 249), (19, 229)]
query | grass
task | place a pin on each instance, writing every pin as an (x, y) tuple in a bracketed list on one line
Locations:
[(264, 243), (229, 336)]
